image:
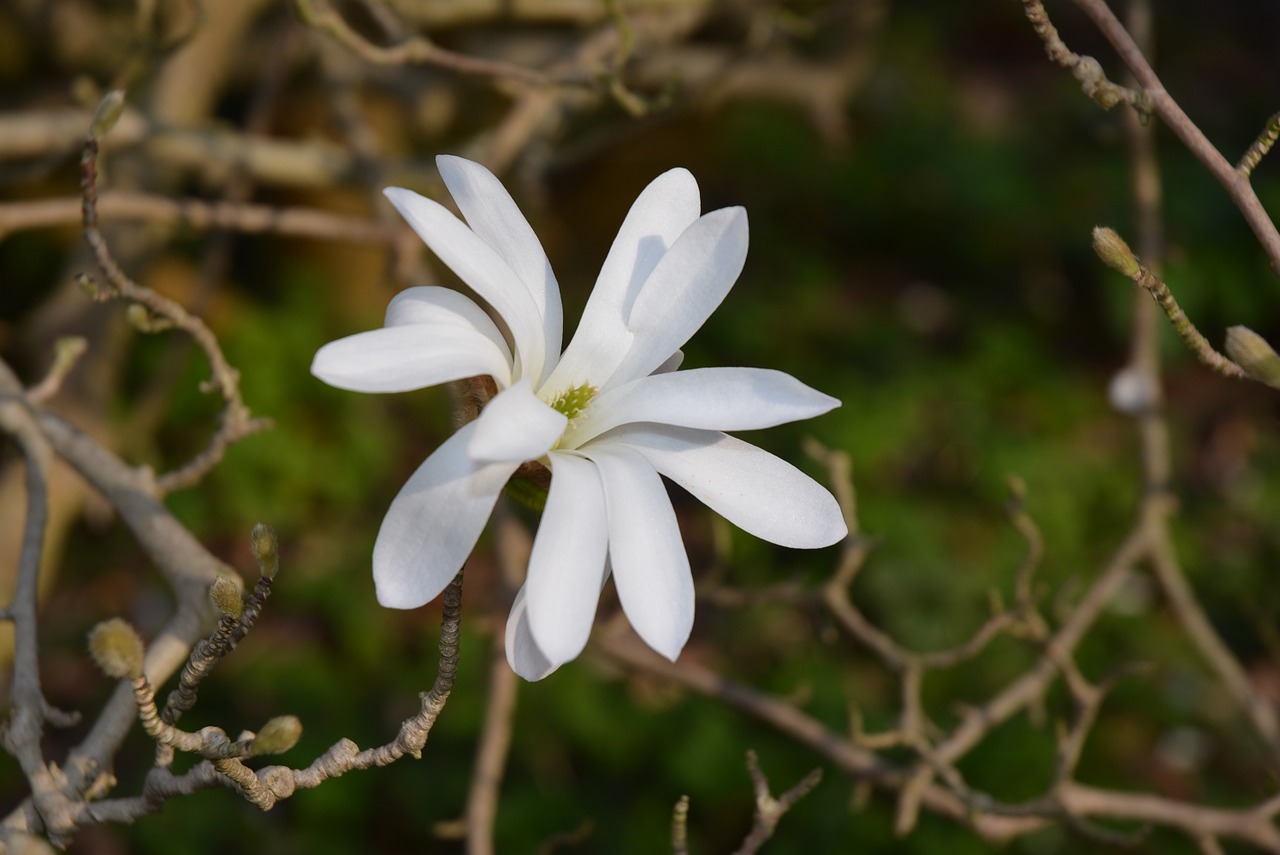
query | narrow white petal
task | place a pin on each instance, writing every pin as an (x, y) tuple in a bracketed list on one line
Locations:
[(673, 363), (485, 272), (685, 287), (434, 522), (515, 426), (657, 218), (567, 565), (493, 215), (751, 488), (431, 304), (650, 566), (709, 398), (397, 359), (523, 654)]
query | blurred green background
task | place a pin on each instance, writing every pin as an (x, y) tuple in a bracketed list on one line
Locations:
[(930, 267)]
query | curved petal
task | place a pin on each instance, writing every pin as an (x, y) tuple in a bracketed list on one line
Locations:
[(523, 654), (397, 359), (685, 287), (485, 272), (493, 215), (672, 363), (710, 398), (751, 488), (660, 214), (567, 565), (515, 426), (431, 304), (434, 522), (650, 567)]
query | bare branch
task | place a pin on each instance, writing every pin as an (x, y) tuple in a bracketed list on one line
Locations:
[(769, 810), (236, 421), (1163, 105), (415, 50), (199, 214), (491, 754)]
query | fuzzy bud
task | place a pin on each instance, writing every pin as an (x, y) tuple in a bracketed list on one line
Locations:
[(142, 319), (1114, 252), (226, 596), (1252, 353), (117, 649), (266, 549), (278, 735), (110, 108)]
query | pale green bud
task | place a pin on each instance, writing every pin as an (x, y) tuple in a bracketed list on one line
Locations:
[(278, 735), (1252, 353), (117, 649), (266, 549), (1114, 252), (110, 108), (226, 596)]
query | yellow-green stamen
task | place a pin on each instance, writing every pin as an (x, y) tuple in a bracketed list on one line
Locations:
[(573, 401)]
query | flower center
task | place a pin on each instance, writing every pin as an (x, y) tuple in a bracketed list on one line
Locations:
[(573, 401)]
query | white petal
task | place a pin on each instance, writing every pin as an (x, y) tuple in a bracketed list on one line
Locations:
[(710, 398), (523, 654), (397, 359), (567, 565), (515, 426), (485, 272), (650, 567), (685, 287), (751, 488), (672, 364), (493, 215), (656, 220), (430, 304), (434, 522)]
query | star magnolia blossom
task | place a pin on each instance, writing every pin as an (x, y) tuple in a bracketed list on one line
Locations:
[(606, 417)]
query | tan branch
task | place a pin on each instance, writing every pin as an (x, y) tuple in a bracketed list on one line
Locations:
[(491, 754), (236, 421), (198, 214), (416, 50), (1236, 184)]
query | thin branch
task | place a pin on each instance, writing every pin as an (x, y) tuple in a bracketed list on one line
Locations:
[(1260, 147), (1112, 249), (1164, 106), (412, 736), (1086, 69), (236, 421), (769, 810), (243, 217), (416, 50), (680, 827), (25, 726), (491, 754), (1195, 623)]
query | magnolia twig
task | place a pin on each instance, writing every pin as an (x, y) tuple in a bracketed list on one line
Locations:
[(1258, 150), (236, 421), (414, 50), (1086, 69), (244, 217), (1163, 105), (24, 728), (770, 810), (1112, 249), (491, 753), (680, 827)]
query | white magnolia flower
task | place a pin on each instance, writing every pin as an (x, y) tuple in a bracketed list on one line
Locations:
[(606, 417)]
